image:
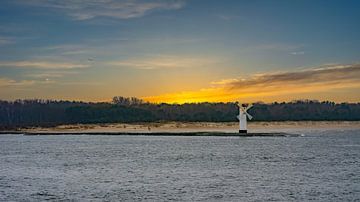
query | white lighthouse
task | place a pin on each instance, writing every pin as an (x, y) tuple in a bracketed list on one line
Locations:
[(243, 115)]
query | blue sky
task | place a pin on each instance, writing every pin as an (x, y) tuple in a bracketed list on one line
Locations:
[(158, 50)]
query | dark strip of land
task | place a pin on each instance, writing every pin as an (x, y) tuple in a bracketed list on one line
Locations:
[(220, 134), (50, 113)]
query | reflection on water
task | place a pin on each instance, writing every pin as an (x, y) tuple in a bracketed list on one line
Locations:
[(324, 165)]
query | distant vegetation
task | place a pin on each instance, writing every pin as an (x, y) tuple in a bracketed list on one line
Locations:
[(28, 113)]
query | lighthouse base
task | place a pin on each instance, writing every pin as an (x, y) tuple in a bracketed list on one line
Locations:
[(242, 131)]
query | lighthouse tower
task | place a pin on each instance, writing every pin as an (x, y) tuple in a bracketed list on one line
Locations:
[(243, 115)]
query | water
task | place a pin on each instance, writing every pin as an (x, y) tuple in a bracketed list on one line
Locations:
[(324, 165)]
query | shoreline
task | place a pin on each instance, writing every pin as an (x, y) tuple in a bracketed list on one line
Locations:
[(188, 127), (203, 134)]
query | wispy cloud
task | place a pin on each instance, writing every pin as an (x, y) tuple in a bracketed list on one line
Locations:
[(69, 49), (227, 17), (319, 79), (50, 74), (163, 62), (319, 75), (6, 40), (42, 65), (9, 83), (89, 9), (6, 82), (297, 53), (276, 47)]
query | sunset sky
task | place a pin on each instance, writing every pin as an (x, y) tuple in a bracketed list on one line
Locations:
[(180, 51)]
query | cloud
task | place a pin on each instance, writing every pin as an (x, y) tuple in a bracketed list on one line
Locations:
[(258, 86), (287, 48), (297, 53), (69, 49), (6, 40), (6, 82), (163, 62), (275, 47), (42, 65), (224, 81), (327, 74), (227, 17), (51, 74), (89, 9), (11, 84)]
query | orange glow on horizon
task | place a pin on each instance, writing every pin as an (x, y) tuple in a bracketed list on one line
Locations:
[(275, 86), (253, 94)]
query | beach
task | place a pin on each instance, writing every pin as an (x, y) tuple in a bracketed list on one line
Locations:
[(178, 127)]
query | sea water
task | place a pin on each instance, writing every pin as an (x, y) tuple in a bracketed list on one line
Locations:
[(323, 165)]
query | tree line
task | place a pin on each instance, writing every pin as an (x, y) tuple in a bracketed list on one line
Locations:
[(45, 113)]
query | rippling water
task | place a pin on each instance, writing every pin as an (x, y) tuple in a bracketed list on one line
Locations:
[(324, 165)]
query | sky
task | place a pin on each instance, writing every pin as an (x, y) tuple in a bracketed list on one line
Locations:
[(179, 51)]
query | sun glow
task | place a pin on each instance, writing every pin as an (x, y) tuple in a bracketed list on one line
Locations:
[(265, 86)]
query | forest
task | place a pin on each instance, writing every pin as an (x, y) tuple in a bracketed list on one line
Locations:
[(47, 113)]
